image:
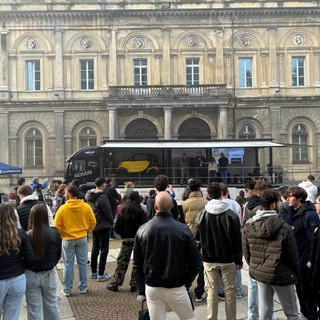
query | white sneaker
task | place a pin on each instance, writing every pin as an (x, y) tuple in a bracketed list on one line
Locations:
[(201, 298)]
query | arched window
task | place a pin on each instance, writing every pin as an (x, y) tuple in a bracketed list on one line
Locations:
[(34, 148), (194, 128), (300, 142), (247, 132), (87, 137)]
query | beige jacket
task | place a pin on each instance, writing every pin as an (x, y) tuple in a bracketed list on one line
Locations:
[(192, 207)]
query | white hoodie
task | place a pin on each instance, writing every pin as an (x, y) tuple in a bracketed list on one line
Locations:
[(311, 189)]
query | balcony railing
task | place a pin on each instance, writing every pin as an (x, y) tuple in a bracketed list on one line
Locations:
[(170, 91)]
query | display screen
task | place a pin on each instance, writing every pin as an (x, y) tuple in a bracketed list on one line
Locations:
[(234, 155)]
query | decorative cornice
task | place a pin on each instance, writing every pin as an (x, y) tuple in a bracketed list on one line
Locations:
[(109, 14)]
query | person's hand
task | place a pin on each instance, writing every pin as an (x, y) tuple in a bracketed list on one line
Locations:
[(239, 266), (309, 265), (141, 298)]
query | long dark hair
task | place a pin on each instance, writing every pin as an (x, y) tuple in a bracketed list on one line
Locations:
[(37, 219), (9, 238), (131, 207)]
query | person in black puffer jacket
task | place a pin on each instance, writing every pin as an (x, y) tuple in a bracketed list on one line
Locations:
[(130, 218), (303, 221)]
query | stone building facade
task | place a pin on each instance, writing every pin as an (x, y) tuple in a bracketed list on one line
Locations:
[(76, 73)]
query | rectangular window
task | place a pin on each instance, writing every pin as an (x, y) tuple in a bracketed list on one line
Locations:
[(33, 75), (140, 72), (192, 72), (34, 153), (297, 70), (245, 72), (86, 74)]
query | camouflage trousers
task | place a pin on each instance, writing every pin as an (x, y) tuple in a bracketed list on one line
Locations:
[(122, 265)]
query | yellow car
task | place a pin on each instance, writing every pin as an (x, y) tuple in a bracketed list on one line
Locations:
[(139, 163)]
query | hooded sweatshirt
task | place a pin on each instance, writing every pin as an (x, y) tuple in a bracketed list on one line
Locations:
[(100, 205), (311, 189), (218, 229), (270, 249), (74, 219)]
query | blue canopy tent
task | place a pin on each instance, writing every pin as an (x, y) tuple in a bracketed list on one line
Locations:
[(7, 169)]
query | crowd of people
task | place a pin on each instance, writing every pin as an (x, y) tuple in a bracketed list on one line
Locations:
[(204, 240)]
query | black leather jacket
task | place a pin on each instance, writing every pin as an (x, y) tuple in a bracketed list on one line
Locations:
[(218, 229), (52, 250), (165, 254)]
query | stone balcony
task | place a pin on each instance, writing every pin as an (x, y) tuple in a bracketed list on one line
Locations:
[(169, 91)]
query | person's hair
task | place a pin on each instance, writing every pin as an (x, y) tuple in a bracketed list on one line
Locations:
[(99, 181), (262, 185), (59, 182), (240, 200), (311, 177), (214, 190), (38, 187), (241, 193), (131, 206), (75, 182), (108, 180), (194, 185), (25, 190), (152, 192), (129, 185), (269, 196), (9, 238), (52, 186), (299, 193), (61, 190), (161, 182), (37, 219), (35, 179), (317, 196), (21, 181), (224, 188), (73, 191), (250, 185), (284, 191)]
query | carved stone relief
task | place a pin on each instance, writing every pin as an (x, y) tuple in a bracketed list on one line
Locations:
[(298, 39), (192, 41), (33, 43), (245, 41), (86, 43), (140, 42)]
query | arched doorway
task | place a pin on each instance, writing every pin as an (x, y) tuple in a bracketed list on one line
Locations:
[(141, 129), (194, 128)]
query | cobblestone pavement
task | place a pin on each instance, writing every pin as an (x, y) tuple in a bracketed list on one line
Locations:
[(100, 303)]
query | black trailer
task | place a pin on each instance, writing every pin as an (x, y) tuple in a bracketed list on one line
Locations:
[(140, 161)]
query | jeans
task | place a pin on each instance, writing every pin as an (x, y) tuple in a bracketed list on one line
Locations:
[(177, 298), (287, 297), (100, 244), (11, 294), (70, 249), (212, 272), (253, 298), (224, 176), (41, 295)]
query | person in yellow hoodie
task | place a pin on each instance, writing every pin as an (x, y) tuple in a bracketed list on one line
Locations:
[(74, 220)]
